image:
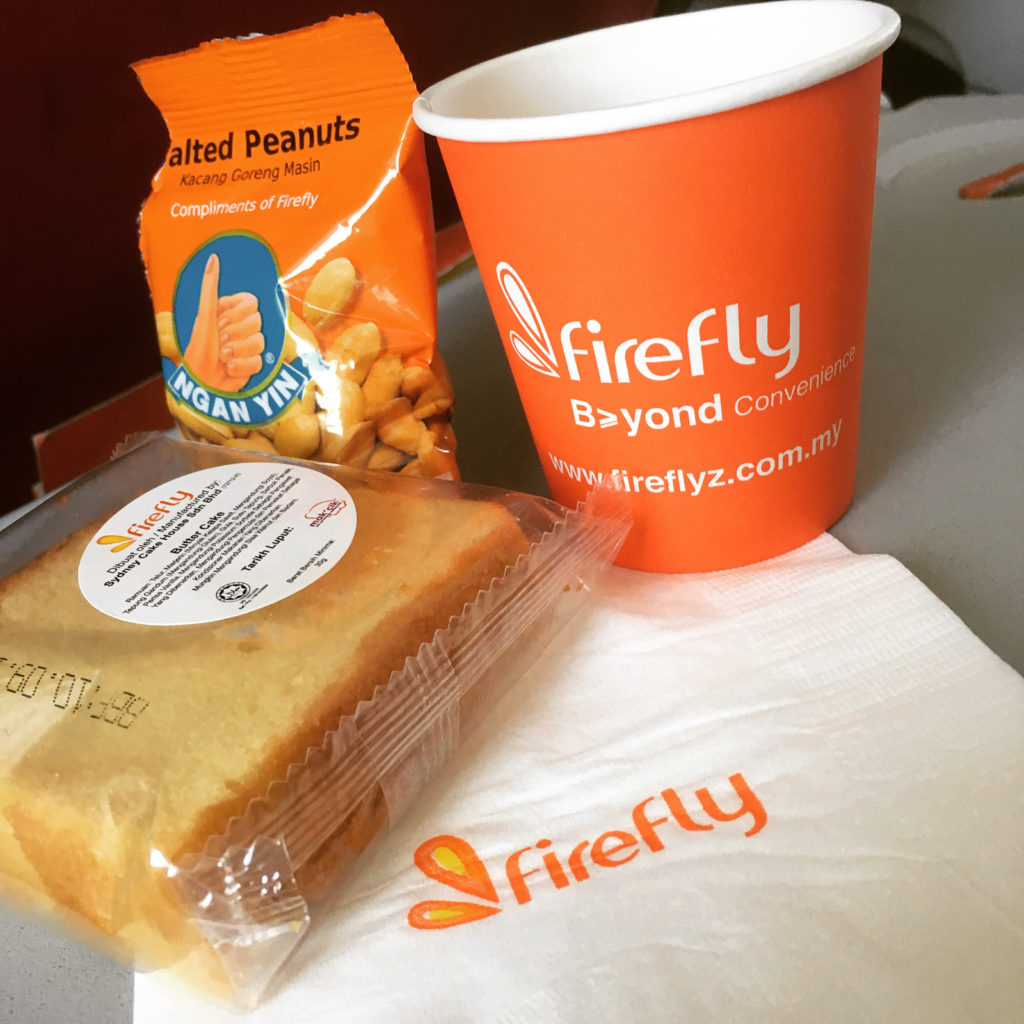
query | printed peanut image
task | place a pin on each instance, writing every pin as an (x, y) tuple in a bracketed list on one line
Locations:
[(166, 340), (226, 345), (367, 406)]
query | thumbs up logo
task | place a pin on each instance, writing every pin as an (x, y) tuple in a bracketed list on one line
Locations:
[(533, 346)]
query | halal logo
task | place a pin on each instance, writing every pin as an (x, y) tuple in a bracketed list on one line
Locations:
[(233, 592), (535, 349)]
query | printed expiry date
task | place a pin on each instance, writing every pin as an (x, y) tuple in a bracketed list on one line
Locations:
[(71, 692)]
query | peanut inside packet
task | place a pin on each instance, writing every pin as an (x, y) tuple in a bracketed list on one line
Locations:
[(288, 243)]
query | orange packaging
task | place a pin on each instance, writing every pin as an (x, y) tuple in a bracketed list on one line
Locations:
[(672, 220), (288, 243)]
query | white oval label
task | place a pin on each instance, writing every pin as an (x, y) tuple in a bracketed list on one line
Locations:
[(217, 543)]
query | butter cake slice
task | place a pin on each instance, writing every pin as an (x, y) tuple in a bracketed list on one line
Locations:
[(124, 747)]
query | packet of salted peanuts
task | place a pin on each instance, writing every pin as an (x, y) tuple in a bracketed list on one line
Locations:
[(288, 242)]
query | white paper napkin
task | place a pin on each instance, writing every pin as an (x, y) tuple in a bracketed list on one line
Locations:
[(795, 793)]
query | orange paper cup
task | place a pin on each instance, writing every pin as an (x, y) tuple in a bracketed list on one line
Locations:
[(672, 219)]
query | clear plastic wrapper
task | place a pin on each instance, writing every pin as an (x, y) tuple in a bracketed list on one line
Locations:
[(223, 675)]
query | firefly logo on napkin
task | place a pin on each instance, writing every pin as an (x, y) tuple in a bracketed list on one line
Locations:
[(453, 861)]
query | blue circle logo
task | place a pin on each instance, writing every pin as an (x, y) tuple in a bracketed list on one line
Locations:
[(230, 320), (229, 302)]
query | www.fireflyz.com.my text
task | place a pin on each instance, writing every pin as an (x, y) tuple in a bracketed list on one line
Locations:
[(681, 481)]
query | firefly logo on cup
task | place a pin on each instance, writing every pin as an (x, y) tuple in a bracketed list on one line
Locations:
[(453, 862), (656, 359)]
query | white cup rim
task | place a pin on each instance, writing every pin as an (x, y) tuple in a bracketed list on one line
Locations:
[(826, 38)]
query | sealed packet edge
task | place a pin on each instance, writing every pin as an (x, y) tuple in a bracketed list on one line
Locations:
[(370, 767)]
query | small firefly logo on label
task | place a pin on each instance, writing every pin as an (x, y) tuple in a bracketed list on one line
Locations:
[(162, 509), (116, 541)]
